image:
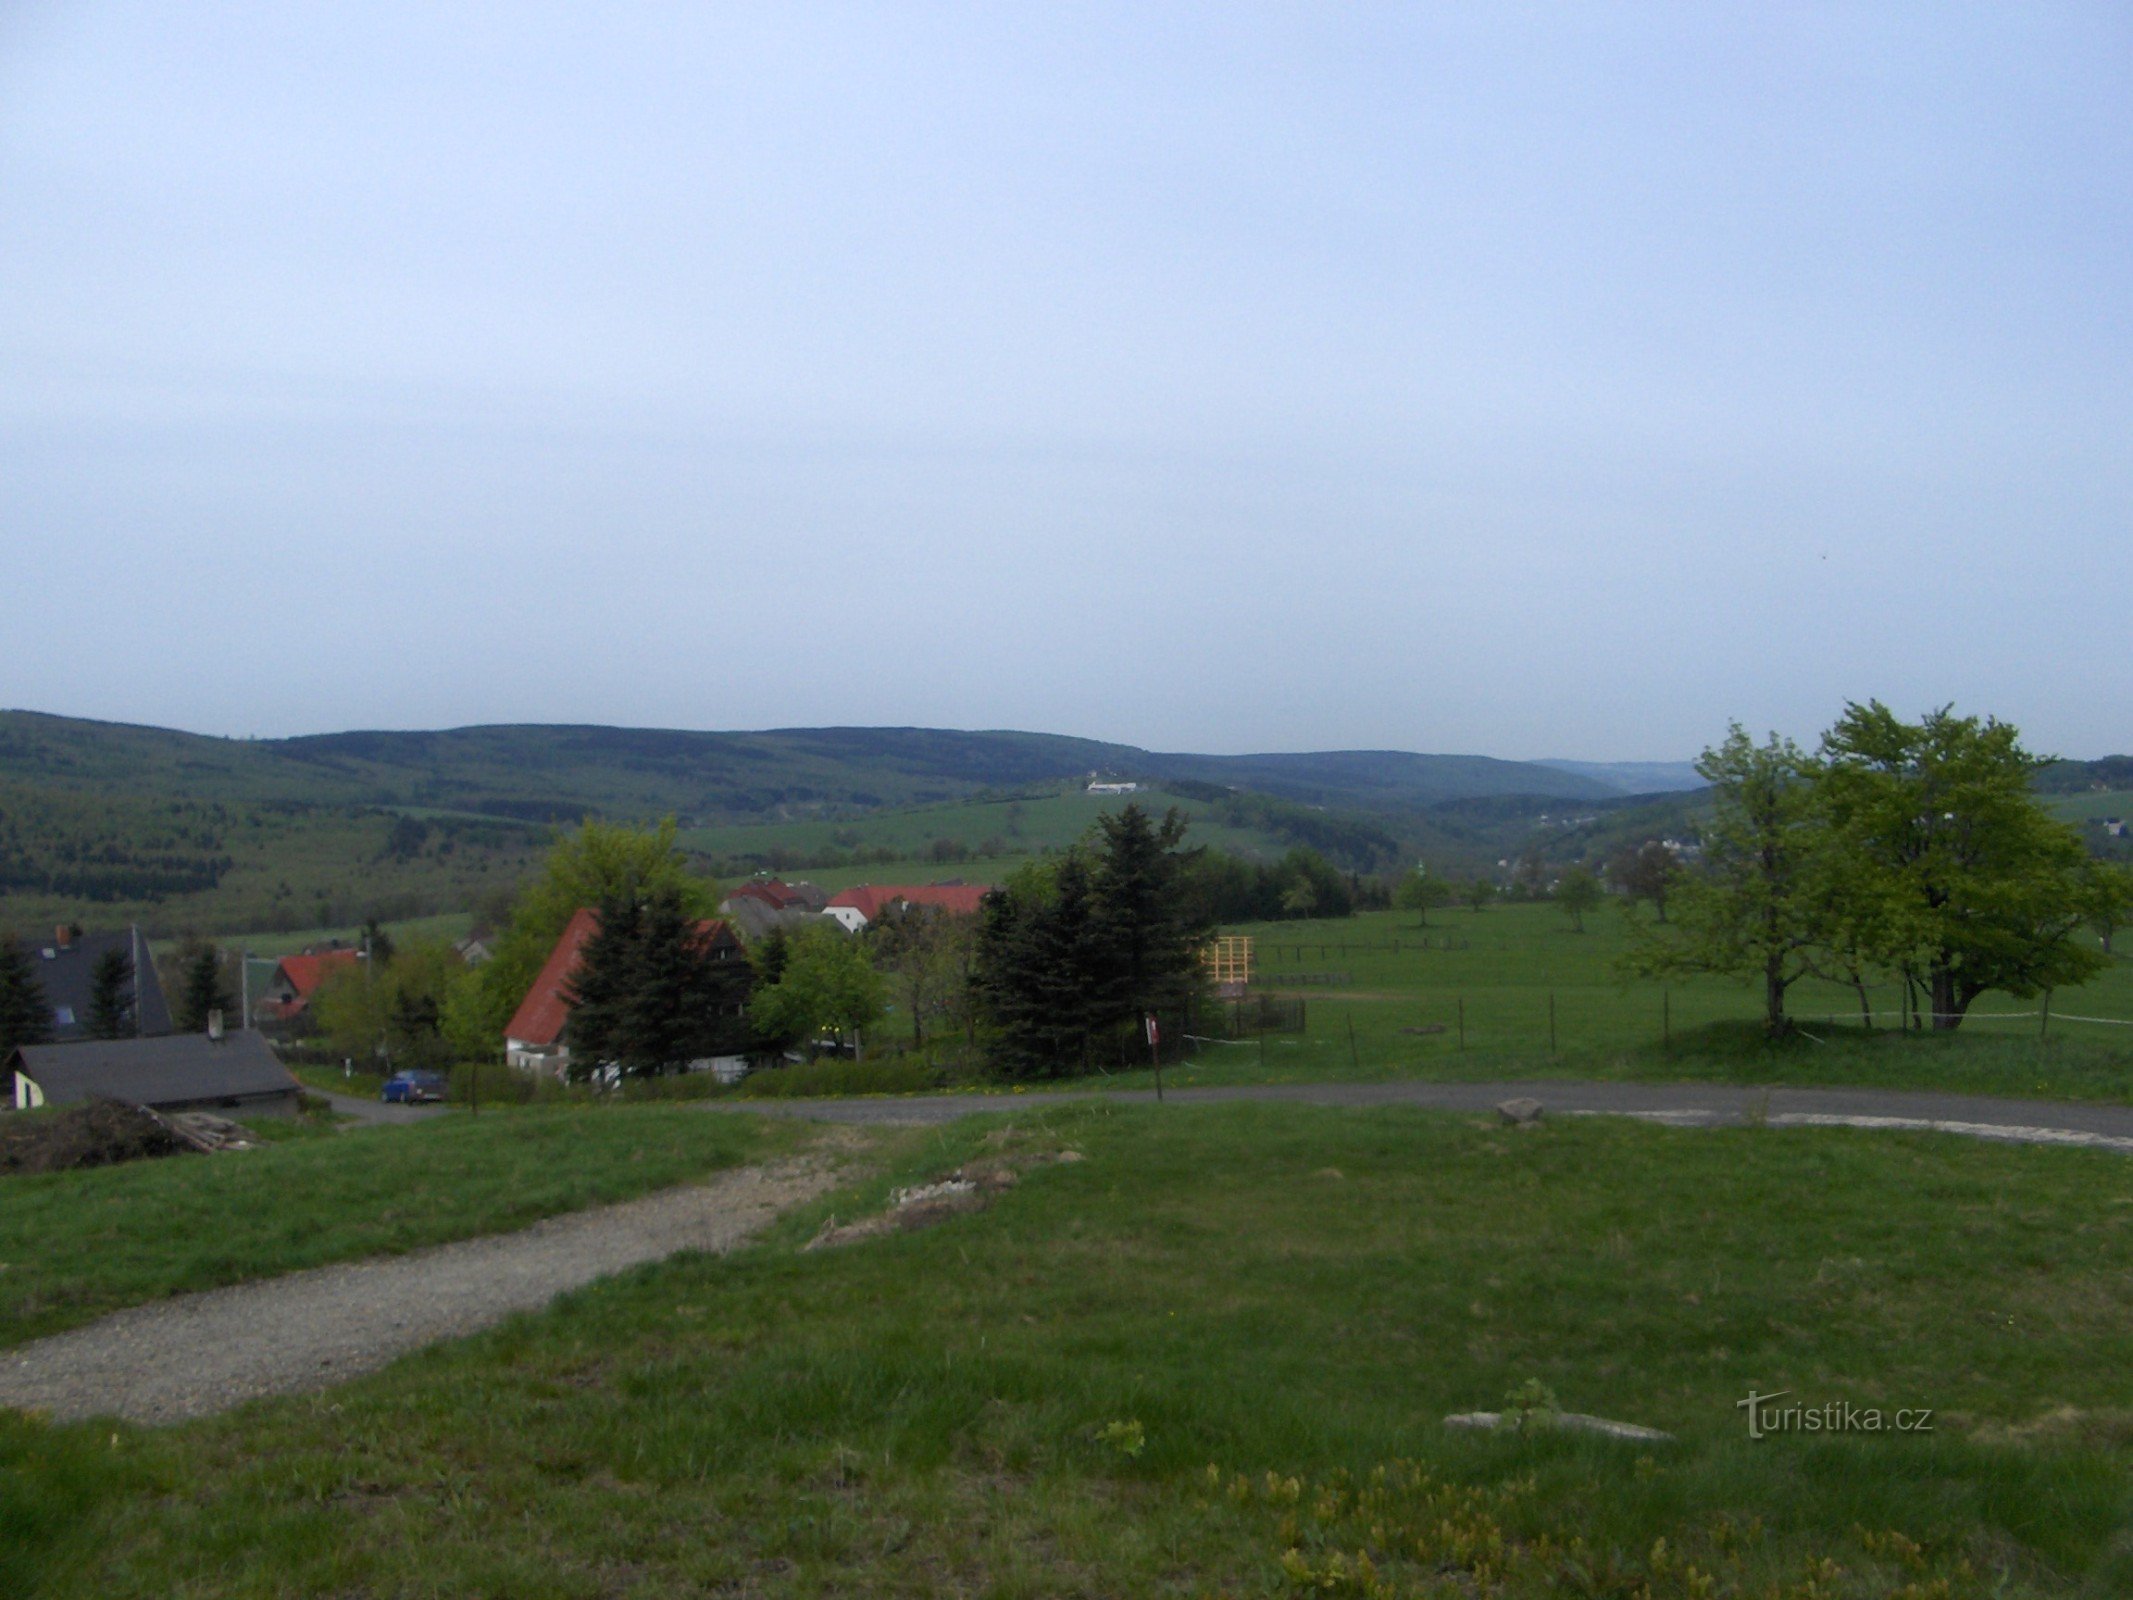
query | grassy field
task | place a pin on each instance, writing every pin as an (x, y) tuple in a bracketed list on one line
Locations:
[(1213, 1357), (998, 834), (75, 1245), (2091, 804), (1403, 991), (448, 925)]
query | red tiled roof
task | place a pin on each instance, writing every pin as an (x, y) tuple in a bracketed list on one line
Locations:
[(306, 973), (771, 892), (541, 1016), (958, 899)]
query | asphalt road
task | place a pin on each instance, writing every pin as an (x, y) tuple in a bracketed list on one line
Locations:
[(1688, 1105), (365, 1109)]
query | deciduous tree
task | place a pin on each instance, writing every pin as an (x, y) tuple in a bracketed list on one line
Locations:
[(1577, 891), (1645, 872), (1935, 821), (828, 986), (1422, 894), (2106, 898), (1752, 909)]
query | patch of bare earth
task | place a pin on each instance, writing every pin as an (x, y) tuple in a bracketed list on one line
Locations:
[(970, 1187)]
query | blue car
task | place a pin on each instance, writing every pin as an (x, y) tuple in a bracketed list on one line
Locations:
[(411, 1088)]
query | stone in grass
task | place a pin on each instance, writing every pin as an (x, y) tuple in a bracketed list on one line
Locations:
[(1522, 1112), (1574, 1421)]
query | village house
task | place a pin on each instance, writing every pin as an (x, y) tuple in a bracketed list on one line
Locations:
[(66, 970), (536, 1039), (854, 909), (177, 1072), (296, 980)]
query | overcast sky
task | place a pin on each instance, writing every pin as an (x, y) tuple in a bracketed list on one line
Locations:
[(1559, 381)]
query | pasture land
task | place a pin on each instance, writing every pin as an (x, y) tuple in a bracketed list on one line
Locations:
[(1214, 1356), (992, 831), (272, 946), (1385, 998), (2091, 804)]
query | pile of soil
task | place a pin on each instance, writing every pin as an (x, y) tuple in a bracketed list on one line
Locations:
[(97, 1133)]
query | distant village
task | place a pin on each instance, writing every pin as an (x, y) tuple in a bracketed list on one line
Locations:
[(109, 1031)]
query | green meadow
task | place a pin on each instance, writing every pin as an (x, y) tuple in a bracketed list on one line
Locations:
[(1470, 995), (1213, 1356)]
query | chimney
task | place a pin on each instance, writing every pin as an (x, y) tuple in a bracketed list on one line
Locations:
[(214, 1024)]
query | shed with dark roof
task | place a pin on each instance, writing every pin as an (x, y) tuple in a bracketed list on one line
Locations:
[(178, 1072)]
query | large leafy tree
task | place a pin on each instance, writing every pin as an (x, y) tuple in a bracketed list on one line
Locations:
[(923, 951), (1420, 893), (1752, 911), (1964, 879), (1578, 891), (1645, 872), (828, 985), (25, 1010), (651, 993), (2106, 898), (391, 1011)]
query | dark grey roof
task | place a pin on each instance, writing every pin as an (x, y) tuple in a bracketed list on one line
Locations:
[(178, 1069), (65, 972), (755, 919)]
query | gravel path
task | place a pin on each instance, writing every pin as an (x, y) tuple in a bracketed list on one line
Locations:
[(2063, 1122), (202, 1353)]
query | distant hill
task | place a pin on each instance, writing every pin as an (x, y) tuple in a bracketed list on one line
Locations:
[(557, 773), (1634, 777)]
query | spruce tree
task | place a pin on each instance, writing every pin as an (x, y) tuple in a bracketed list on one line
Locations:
[(1150, 946), (200, 991), (25, 1011), (650, 995), (111, 996)]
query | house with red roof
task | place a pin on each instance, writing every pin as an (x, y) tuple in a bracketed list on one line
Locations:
[(297, 978), (534, 1039), (856, 908)]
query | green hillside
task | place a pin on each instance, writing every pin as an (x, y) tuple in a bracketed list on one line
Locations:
[(545, 773)]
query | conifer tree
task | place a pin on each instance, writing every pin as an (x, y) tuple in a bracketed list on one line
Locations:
[(200, 990), (111, 999), (25, 1012), (650, 995)]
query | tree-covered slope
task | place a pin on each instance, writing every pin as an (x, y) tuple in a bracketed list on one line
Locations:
[(559, 772)]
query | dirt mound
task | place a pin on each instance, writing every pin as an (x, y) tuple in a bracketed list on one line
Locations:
[(100, 1133)]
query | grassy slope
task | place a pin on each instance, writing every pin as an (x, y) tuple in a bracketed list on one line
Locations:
[(79, 1244), (1262, 1290)]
